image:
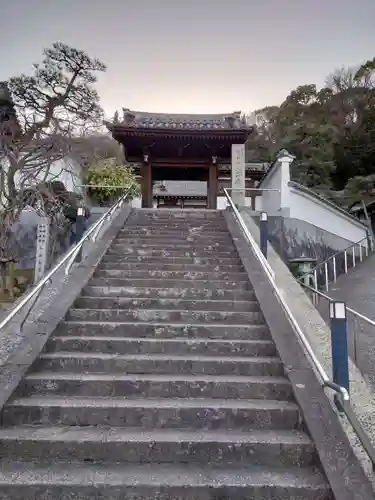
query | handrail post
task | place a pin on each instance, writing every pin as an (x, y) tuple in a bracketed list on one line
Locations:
[(263, 233), (339, 346), (67, 261), (80, 229), (339, 338)]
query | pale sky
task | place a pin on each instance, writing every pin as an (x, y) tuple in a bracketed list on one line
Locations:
[(194, 56)]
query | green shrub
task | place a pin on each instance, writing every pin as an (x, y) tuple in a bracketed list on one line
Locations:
[(119, 179)]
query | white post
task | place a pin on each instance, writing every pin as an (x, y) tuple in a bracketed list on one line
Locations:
[(42, 247), (284, 160), (238, 174)]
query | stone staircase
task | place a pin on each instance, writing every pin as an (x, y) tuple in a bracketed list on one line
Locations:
[(162, 382)]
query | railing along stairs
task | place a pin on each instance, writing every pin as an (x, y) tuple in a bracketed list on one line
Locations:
[(327, 272), (325, 380), (66, 263)]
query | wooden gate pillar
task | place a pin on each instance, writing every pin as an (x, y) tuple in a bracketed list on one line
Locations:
[(212, 186), (146, 185)]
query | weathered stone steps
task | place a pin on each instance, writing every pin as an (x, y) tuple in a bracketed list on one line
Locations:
[(162, 303), (165, 315), (179, 346), (170, 283), (169, 245), (134, 265), (70, 481), (152, 259), (173, 253), (155, 386), (195, 240), (187, 292), (190, 414), (162, 382), (132, 446), (79, 362), (171, 275), (161, 330)]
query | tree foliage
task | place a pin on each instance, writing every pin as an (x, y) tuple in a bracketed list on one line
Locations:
[(330, 131), (120, 179), (42, 115)]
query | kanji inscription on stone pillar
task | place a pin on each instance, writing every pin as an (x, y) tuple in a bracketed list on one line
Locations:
[(42, 245), (238, 174)]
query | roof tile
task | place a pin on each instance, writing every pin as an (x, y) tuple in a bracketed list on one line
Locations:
[(137, 119)]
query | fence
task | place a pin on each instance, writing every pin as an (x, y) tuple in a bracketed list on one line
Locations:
[(341, 393)]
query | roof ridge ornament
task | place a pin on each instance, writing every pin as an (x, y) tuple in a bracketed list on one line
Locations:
[(284, 153), (128, 116), (230, 121)]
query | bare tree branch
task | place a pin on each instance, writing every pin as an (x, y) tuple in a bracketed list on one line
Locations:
[(42, 117)]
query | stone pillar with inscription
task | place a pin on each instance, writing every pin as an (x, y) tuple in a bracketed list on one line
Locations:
[(42, 247), (238, 192)]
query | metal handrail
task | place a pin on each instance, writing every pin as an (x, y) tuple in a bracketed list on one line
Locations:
[(323, 266), (365, 239), (256, 249), (326, 382), (292, 319), (349, 412), (68, 259), (349, 309)]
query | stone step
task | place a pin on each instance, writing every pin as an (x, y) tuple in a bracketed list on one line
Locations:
[(126, 265), (188, 224), (161, 330), (179, 214), (71, 481), (167, 245), (180, 346), (190, 221), (182, 293), (166, 261), (199, 239), (161, 254), (152, 413), (165, 304), (172, 216), (155, 386), (123, 445), (213, 259), (78, 362), (169, 221), (170, 283), (166, 316), (169, 233), (174, 275), (172, 219), (179, 227)]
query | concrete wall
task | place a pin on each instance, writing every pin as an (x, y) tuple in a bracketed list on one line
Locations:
[(305, 207), (66, 170), (317, 333), (69, 172), (24, 231), (302, 223), (293, 238)]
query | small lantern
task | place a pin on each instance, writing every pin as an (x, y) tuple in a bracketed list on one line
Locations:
[(304, 267)]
